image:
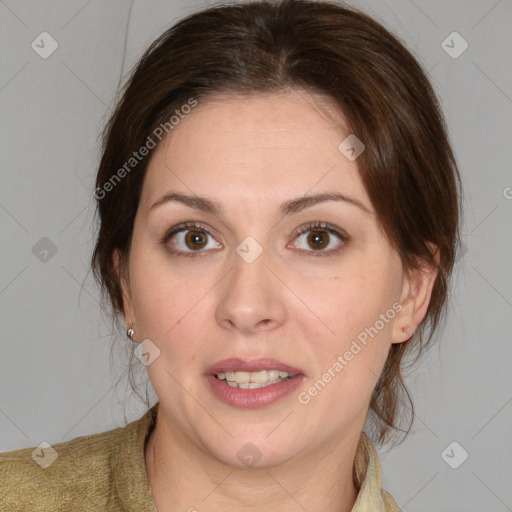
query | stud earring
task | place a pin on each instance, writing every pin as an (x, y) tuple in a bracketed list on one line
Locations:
[(130, 332)]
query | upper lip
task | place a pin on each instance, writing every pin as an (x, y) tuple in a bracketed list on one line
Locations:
[(252, 365)]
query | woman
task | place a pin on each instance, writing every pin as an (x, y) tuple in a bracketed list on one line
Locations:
[(279, 216)]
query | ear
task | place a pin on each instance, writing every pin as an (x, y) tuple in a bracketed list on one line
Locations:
[(123, 276), (417, 286)]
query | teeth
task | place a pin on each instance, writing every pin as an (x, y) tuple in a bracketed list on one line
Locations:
[(260, 377), (256, 377), (253, 380), (252, 385), (242, 377), (273, 374)]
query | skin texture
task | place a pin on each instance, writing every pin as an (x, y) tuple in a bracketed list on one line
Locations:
[(251, 154)]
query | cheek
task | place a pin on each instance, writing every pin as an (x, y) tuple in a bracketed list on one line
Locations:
[(347, 365), (162, 296), (349, 352), (356, 299), (169, 311)]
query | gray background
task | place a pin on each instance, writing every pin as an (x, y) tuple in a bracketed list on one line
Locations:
[(56, 377)]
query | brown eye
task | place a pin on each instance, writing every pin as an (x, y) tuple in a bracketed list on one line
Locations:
[(318, 239), (195, 240), (189, 239), (319, 236)]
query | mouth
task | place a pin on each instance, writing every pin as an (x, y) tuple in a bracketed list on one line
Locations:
[(252, 383)]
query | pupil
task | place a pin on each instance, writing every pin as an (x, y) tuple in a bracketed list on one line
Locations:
[(317, 238), (194, 237)]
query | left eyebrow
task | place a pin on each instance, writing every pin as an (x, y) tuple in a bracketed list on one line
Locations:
[(301, 203)]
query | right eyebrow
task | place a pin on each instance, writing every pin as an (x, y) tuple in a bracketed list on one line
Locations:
[(198, 203)]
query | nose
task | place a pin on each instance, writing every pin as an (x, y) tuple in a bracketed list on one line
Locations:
[(252, 297)]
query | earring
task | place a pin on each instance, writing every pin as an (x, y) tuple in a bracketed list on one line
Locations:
[(130, 332)]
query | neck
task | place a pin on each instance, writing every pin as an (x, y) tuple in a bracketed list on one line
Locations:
[(184, 477)]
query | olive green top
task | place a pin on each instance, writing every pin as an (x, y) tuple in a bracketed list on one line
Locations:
[(107, 471)]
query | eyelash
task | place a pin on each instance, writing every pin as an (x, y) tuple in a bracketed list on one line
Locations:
[(313, 226)]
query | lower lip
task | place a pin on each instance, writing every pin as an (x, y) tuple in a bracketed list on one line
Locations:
[(252, 398)]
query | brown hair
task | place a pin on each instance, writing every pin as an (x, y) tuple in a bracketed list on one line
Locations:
[(408, 168)]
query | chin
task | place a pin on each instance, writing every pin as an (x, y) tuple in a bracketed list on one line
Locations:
[(253, 451)]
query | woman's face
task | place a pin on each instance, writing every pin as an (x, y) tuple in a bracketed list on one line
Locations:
[(245, 284)]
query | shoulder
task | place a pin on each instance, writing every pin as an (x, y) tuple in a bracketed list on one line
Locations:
[(75, 473)]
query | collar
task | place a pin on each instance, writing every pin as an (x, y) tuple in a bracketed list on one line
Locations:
[(367, 473), (129, 474)]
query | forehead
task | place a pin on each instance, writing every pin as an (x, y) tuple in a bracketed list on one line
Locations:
[(253, 147)]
